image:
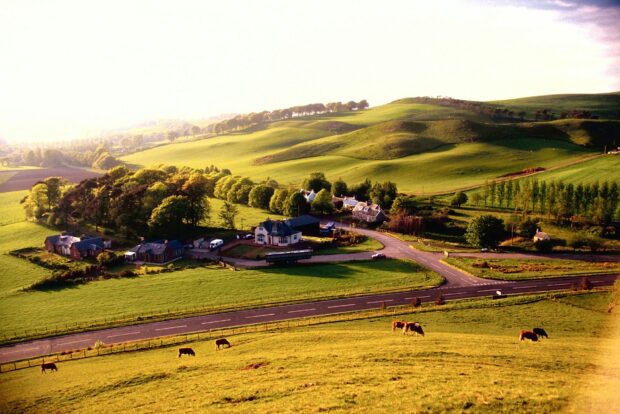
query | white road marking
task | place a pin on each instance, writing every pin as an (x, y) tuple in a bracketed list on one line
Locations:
[(341, 306), (260, 316), (171, 327), (558, 284), (524, 287), (487, 290), (600, 281), (413, 297), (20, 350), (74, 342), (221, 320), (124, 334), (380, 301), (450, 294), (302, 310)]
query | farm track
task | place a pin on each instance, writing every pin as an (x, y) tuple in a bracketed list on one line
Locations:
[(459, 285), (24, 179)]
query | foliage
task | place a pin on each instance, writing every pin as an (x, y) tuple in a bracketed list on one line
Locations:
[(383, 194), (278, 201), (322, 203), (170, 216), (260, 196), (459, 199), (316, 182), (407, 204), (485, 231), (227, 214), (296, 205), (339, 187)]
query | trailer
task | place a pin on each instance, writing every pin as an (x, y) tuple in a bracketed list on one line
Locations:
[(288, 257)]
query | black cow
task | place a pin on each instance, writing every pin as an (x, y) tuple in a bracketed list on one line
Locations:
[(186, 351), (540, 332)]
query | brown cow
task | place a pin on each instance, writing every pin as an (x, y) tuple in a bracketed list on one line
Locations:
[(398, 325), (414, 327), (186, 351), (528, 335), (48, 365), (221, 342), (540, 332)]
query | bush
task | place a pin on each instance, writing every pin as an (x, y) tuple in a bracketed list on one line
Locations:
[(440, 300), (416, 302)]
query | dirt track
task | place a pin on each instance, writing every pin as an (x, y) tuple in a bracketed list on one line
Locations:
[(24, 179)]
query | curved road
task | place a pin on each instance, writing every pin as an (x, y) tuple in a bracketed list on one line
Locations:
[(458, 285)]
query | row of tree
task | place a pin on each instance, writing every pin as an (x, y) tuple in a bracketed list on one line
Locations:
[(255, 118), (595, 202), (98, 157)]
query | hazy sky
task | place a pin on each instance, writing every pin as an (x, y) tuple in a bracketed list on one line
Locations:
[(70, 68)]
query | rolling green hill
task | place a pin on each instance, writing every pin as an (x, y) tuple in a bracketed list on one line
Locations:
[(422, 147)]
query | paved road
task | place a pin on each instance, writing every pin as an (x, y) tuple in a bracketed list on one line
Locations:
[(280, 313)]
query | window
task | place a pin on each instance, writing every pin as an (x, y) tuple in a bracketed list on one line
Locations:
[(261, 238)]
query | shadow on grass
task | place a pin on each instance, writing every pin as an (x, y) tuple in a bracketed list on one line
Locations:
[(343, 270)]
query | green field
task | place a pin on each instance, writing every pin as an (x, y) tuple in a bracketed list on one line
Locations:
[(204, 289), (587, 172), (520, 269), (423, 148), (11, 211), (469, 361), (604, 105), (247, 218)]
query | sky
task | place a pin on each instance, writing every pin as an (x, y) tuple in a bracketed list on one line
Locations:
[(70, 69)]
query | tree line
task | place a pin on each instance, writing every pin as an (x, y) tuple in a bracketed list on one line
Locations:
[(167, 200), (254, 118), (590, 202)]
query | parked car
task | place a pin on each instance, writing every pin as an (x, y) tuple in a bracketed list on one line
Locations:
[(484, 250), (248, 236), (215, 243), (378, 256)]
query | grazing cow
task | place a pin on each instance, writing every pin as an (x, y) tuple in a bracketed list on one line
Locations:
[(398, 325), (540, 332), (528, 335), (48, 365), (186, 351), (222, 342), (414, 327)]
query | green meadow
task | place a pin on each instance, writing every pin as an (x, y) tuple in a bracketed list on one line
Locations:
[(423, 148), (469, 361)]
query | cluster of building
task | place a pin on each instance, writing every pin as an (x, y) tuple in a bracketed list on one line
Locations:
[(277, 233)]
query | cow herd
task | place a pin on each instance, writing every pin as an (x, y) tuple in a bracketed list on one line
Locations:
[(416, 329)]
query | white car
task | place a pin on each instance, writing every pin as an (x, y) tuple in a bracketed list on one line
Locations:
[(377, 256)]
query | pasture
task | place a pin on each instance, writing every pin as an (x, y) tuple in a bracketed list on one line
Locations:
[(423, 148), (23, 179), (201, 289), (523, 269), (469, 360)]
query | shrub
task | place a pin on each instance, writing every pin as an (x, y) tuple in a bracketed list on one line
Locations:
[(440, 300), (416, 302), (585, 284)]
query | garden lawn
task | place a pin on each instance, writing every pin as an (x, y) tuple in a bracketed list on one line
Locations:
[(469, 360), (204, 289), (523, 269)]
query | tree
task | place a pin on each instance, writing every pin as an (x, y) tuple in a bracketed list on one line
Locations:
[(383, 194), (195, 189), (36, 203), (339, 188), (485, 231), (528, 228), (316, 182), (240, 191), (170, 216), (277, 201), (260, 196), (228, 213), (54, 189), (322, 203), (459, 199), (361, 191), (406, 204), (296, 205)]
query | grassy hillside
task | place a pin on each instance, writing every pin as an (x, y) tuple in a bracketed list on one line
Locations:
[(605, 105), (421, 147), (598, 169), (469, 361)]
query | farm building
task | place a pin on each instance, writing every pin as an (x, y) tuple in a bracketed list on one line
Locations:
[(370, 213), (76, 247), (306, 224), (276, 233), (308, 195), (161, 251)]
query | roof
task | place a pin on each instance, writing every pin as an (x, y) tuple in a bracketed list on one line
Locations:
[(93, 243), (301, 221), (277, 228), (352, 202), (541, 235), (309, 195), (81, 243), (157, 247), (368, 210)]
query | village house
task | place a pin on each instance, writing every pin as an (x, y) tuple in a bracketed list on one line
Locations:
[(160, 251), (308, 195), (541, 236), (276, 233), (370, 213), (306, 224), (78, 248)]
